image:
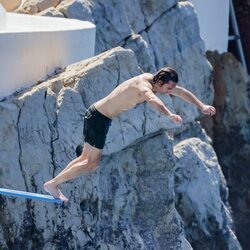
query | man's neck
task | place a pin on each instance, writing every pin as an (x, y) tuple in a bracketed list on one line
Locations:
[(152, 84), (154, 87)]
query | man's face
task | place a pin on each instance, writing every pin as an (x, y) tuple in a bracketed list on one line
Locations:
[(166, 88)]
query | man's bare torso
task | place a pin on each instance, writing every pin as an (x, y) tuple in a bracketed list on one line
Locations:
[(125, 96)]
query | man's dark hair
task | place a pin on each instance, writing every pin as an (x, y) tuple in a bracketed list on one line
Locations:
[(165, 75)]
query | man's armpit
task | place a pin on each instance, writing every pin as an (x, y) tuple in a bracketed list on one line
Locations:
[(149, 95)]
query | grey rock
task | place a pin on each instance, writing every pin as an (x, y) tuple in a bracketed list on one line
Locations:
[(128, 203), (231, 134), (152, 10), (156, 222), (51, 12), (35, 6), (144, 54), (76, 10), (202, 197)]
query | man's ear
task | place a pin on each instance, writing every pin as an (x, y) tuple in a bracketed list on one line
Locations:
[(160, 82)]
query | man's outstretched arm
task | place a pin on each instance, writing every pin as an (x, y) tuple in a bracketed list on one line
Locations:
[(158, 104), (187, 96)]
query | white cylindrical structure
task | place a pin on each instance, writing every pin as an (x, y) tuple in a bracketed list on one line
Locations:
[(32, 47), (213, 17)]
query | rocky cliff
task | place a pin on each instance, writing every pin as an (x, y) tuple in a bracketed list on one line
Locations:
[(151, 190), (231, 128)]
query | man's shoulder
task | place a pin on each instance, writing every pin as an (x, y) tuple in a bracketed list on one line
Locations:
[(147, 76), (144, 79)]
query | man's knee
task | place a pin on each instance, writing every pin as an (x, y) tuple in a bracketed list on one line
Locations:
[(89, 161), (93, 163)]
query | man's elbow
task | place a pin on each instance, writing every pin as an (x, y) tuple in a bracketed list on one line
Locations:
[(154, 104), (159, 107)]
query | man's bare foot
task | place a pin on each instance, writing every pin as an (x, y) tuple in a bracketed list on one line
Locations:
[(55, 191)]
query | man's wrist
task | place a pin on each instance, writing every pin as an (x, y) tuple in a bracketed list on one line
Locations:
[(200, 106)]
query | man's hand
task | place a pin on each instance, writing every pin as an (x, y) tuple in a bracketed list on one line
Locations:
[(208, 110), (191, 98), (175, 118)]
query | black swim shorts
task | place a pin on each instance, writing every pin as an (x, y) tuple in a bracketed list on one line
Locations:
[(96, 126)]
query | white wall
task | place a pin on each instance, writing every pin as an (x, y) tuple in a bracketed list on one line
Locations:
[(31, 47), (213, 17)]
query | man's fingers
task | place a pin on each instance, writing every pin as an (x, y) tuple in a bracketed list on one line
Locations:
[(209, 110), (212, 110), (176, 118)]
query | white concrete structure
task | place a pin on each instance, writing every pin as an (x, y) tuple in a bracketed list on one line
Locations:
[(213, 17), (32, 47)]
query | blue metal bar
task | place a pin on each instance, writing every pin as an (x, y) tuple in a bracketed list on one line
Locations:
[(232, 38), (29, 195), (237, 33)]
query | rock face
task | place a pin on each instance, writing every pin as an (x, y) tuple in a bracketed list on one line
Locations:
[(231, 128), (140, 202), (202, 196), (35, 6), (51, 12), (129, 202)]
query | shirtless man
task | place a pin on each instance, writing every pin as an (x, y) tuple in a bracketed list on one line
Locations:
[(98, 118)]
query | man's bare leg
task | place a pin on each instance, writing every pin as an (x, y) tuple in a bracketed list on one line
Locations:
[(84, 156), (56, 192), (52, 185), (88, 160)]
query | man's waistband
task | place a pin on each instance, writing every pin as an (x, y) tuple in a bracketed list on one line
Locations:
[(102, 116)]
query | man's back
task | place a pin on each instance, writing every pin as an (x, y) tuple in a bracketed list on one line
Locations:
[(125, 96)]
